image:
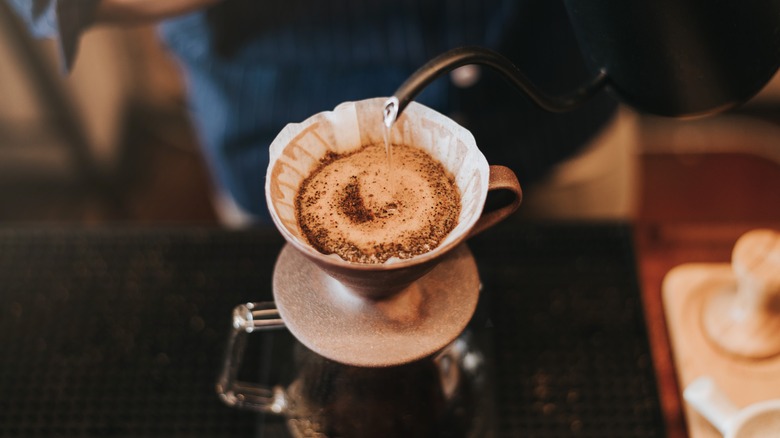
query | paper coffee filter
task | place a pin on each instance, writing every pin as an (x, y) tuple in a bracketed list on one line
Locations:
[(298, 148)]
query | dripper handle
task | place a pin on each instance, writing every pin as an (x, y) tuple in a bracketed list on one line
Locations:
[(248, 318), (501, 178)]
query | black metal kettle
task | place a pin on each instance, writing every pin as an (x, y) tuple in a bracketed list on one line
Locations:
[(678, 58)]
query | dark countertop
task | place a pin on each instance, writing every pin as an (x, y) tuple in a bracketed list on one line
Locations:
[(121, 331)]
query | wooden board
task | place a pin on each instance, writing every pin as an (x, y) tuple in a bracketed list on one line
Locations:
[(685, 291)]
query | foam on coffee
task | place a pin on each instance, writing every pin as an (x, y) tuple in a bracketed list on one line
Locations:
[(342, 207)]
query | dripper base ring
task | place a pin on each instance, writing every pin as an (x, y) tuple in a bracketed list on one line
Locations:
[(339, 325)]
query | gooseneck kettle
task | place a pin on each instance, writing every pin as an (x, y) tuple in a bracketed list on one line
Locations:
[(677, 58)]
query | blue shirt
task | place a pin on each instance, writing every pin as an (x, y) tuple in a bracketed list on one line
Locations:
[(251, 67)]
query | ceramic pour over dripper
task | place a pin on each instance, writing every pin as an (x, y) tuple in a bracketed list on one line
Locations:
[(403, 309)]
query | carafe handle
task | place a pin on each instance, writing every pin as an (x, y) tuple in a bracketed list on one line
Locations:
[(248, 318)]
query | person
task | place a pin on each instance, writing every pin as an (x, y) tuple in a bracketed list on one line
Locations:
[(253, 66)]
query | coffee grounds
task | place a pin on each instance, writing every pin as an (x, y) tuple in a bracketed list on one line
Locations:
[(352, 204), (342, 207)]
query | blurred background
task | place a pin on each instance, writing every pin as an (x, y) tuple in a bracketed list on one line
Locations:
[(112, 143)]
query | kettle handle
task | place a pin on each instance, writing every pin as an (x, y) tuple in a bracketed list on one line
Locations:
[(248, 318)]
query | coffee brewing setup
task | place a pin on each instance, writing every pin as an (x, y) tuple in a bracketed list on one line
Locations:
[(400, 316), (413, 311)]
